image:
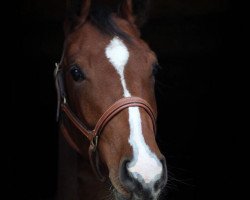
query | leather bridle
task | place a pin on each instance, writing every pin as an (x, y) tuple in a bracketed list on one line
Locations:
[(63, 109)]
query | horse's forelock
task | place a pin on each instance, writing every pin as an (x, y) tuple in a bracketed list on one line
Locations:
[(101, 17), (78, 11)]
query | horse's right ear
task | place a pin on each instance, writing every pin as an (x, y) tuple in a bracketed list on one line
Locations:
[(77, 12), (134, 11)]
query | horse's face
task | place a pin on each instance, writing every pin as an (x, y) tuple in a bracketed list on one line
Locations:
[(99, 70)]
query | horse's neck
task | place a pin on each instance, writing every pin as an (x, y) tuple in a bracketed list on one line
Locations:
[(67, 172), (76, 180)]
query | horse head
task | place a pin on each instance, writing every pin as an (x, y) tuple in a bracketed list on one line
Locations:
[(105, 84)]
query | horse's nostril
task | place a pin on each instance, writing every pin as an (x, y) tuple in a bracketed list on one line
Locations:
[(125, 176)]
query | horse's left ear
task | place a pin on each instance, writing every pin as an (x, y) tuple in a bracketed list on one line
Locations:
[(77, 13), (134, 11)]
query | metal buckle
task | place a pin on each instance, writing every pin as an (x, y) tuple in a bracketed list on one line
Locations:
[(94, 142), (56, 69), (64, 100)]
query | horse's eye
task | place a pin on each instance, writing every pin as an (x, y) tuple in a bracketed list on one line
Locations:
[(156, 68), (76, 73)]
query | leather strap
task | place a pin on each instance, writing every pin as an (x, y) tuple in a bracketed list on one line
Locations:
[(93, 135), (113, 110), (59, 83)]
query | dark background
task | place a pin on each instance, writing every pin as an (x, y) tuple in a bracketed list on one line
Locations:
[(193, 40)]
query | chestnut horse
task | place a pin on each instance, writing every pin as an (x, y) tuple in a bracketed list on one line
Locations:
[(107, 107)]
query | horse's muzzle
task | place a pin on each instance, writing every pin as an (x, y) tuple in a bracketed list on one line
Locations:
[(140, 190)]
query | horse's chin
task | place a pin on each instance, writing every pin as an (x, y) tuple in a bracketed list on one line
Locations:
[(120, 196), (119, 192)]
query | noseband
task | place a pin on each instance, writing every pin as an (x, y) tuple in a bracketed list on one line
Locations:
[(63, 109)]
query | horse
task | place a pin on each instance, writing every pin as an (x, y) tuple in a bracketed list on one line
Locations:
[(106, 106)]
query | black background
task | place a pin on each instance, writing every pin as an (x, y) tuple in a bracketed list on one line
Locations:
[(193, 41)]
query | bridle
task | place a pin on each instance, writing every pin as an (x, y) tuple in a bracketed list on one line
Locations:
[(63, 109)]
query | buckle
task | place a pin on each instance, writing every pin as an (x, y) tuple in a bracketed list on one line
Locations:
[(94, 143), (56, 69)]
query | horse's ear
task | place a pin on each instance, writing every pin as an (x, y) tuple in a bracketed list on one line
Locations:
[(134, 11), (77, 12)]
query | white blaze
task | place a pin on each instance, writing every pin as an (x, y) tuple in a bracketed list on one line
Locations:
[(145, 165)]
